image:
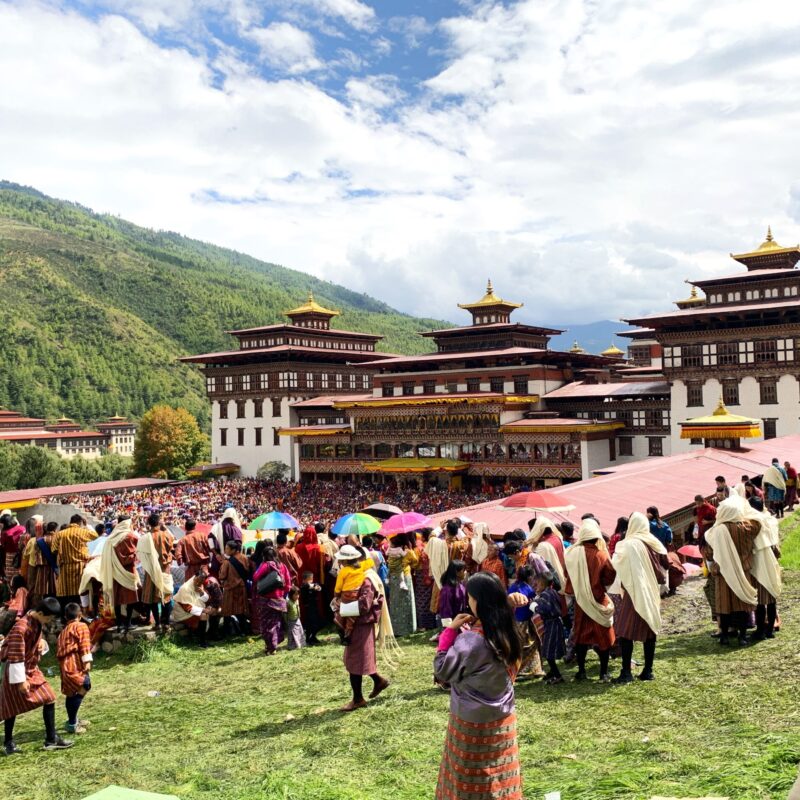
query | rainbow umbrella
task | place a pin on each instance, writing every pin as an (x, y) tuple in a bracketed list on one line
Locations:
[(409, 522), (356, 525), (273, 521)]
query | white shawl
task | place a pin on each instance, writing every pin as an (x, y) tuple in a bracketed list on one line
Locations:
[(480, 542), (90, 571), (635, 572), (384, 632), (110, 567), (148, 556), (188, 595), (772, 475), (578, 571), (765, 568), (232, 514), (725, 553), (438, 558), (539, 529)]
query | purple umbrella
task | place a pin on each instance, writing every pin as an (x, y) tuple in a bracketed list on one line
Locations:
[(408, 522)]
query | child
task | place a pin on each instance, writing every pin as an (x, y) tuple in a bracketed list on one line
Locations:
[(548, 607), (295, 636), (309, 603), (453, 594), (233, 576), (531, 665), (481, 756), (74, 653), (352, 570)]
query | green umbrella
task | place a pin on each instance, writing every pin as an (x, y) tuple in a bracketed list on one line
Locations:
[(355, 525)]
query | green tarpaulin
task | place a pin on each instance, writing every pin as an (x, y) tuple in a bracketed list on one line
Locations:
[(119, 793)]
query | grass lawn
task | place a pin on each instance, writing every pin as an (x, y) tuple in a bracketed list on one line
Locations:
[(230, 724)]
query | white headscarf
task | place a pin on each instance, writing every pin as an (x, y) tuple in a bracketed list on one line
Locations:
[(480, 542), (635, 571), (545, 549), (578, 570), (765, 568), (540, 528), (725, 553), (438, 558), (110, 567)]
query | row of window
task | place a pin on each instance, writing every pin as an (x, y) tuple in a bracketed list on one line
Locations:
[(641, 418), (258, 408), (754, 294), (473, 385), (288, 379), (761, 351), (322, 344), (655, 446), (767, 389), (258, 437)]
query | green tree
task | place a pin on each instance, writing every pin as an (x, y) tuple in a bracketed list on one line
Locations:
[(115, 467), (273, 471), (83, 470), (40, 466), (10, 457), (168, 442)]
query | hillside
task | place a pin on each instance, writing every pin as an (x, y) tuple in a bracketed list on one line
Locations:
[(98, 310), (594, 337)]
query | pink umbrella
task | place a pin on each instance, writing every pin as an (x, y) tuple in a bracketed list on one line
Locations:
[(537, 501), (690, 551), (408, 522), (692, 569)]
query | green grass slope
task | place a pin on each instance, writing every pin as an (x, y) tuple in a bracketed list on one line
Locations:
[(98, 310)]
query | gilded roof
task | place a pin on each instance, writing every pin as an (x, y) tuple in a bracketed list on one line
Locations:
[(489, 299), (311, 306), (769, 247)]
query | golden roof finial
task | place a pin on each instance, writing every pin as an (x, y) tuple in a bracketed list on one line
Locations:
[(489, 287), (769, 233)]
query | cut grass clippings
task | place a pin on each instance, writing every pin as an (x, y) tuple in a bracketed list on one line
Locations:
[(230, 724)]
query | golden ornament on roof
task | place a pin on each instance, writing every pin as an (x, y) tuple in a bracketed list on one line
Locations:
[(311, 307), (489, 299), (613, 351)]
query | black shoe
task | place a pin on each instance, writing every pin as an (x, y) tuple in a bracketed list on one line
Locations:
[(769, 635), (743, 641), (580, 675), (724, 641), (758, 636), (624, 677), (11, 749), (647, 676), (58, 744)]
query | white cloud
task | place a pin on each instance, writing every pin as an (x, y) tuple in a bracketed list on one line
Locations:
[(287, 46), (354, 12), (586, 156)]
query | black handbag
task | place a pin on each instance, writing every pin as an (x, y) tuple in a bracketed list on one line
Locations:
[(270, 582)]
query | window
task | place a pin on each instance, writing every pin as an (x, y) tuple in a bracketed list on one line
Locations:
[(769, 392), (365, 381), (638, 419), (258, 437), (223, 437), (324, 380), (258, 408), (451, 388), (408, 388), (240, 437), (245, 383), (769, 428), (766, 351), (694, 394), (785, 349), (287, 380), (229, 383), (223, 410), (211, 385), (496, 385), (339, 380), (521, 386), (353, 379), (730, 393), (263, 380), (692, 355), (240, 409), (727, 353), (387, 390), (276, 439), (429, 387), (473, 385), (276, 407), (625, 446), (655, 445), (612, 449)]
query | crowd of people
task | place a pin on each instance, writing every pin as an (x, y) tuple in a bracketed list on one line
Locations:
[(501, 606)]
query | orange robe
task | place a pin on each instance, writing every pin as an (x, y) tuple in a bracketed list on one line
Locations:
[(74, 645), (601, 574)]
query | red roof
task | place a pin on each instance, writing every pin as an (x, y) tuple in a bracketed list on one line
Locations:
[(493, 327), (14, 435), (716, 309), (327, 401), (550, 421), (302, 329), (232, 355), (627, 389), (458, 356), (749, 276), (668, 483), (20, 495)]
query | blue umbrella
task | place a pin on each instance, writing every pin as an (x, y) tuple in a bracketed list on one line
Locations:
[(273, 521)]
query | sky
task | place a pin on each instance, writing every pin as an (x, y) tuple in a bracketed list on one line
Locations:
[(586, 155)]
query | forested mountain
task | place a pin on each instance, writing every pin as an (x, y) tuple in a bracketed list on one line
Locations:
[(96, 311)]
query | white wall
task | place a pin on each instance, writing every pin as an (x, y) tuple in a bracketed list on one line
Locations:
[(250, 457), (594, 455)]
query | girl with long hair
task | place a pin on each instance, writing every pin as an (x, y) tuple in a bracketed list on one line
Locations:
[(478, 656)]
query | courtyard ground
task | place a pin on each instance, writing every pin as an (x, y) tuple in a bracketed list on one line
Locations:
[(230, 724)]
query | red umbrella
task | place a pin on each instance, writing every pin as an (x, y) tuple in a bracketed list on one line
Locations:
[(690, 551), (537, 501), (405, 523)]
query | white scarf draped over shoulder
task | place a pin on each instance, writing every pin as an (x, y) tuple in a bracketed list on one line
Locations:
[(546, 549), (438, 558), (384, 632), (578, 570), (725, 553), (765, 567), (774, 476), (148, 555), (111, 568), (634, 569)]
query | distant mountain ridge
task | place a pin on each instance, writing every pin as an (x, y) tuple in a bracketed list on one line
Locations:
[(594, 337)]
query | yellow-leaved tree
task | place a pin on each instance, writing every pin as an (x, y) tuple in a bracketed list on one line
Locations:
[(168, 442)]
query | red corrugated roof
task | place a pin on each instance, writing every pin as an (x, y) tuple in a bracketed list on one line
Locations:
[(748, 276), (15, 435), (554, 421), (424, 359), (327, 401), (715, 309), (361, 355), (626, 389), (81, 488), (302, 329), (668, 483), (492, 327)]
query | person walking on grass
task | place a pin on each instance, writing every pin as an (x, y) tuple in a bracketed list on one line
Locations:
[(24, 687), (641, 565), (74, 653), (478, 656)]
